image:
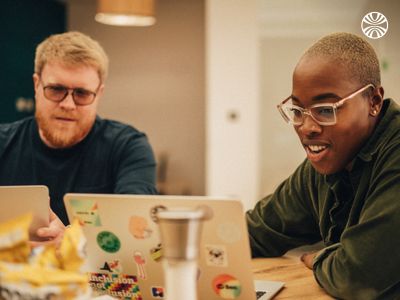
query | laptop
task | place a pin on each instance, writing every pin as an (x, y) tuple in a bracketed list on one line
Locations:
[(18, 200), (124, 249)]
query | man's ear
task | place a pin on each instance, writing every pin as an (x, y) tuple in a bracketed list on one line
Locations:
[(36, 81), (376, 101), (100, 91)]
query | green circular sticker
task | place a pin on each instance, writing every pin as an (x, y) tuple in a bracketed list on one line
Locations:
[(108, 241)]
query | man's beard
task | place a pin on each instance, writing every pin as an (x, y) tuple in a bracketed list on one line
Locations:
[(61, 138)]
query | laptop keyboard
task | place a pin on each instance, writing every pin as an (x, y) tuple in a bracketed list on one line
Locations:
[(259, 294)]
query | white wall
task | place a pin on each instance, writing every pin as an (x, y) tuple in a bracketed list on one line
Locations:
[(388, 47), (287, 29), (232, 89), (252, 48), (156, 83), (281, 151)]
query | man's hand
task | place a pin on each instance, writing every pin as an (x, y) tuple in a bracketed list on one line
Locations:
[(51, 234), (308, 258)]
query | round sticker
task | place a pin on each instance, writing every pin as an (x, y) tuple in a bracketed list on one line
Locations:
[(226, 286), (139, 227), (108, 241)]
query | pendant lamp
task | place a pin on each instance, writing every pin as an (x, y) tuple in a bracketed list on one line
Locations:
[(125, 12)]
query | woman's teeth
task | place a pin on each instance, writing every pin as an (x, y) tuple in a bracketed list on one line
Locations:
[(316, 148)]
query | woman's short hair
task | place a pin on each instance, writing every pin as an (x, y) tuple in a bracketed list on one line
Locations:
[(351, 51)]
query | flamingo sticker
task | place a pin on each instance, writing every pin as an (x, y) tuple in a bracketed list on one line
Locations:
[(140, 261)]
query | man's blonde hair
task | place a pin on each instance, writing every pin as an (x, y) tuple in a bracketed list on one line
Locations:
[(72, 48)]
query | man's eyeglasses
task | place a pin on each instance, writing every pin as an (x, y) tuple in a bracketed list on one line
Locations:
[(323, 113), (57, 93)]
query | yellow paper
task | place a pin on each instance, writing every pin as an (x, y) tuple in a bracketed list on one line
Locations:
[(50, 272), (14, 246)]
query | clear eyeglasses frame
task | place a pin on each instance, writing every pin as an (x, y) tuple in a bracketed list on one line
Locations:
[(322, 113)]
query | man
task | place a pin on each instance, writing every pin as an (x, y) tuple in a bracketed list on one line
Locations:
[(346, 193), (66, 146)]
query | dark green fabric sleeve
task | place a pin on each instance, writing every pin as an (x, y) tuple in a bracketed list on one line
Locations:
[(285, 219), (365, 263)]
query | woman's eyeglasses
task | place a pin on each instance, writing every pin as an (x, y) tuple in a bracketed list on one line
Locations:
[(323, 113)]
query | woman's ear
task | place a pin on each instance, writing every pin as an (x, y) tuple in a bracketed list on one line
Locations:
[(376, 101)]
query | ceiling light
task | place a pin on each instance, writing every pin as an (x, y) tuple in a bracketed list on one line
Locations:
[(125, 12)]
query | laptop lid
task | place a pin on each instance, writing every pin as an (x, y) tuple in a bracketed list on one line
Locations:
[(124, 249), (18, 200)]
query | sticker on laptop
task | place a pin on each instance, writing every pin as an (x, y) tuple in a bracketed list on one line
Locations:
[(157, 292), (216, 256), (156, 252), (116, 285), (140, 261), (108, 241), (86, 211), (113, 266), (139, 227), (226, 286), (198, 274), (229, 232), (154, 210)]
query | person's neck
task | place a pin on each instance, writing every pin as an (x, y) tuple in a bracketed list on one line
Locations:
[(59, 147)]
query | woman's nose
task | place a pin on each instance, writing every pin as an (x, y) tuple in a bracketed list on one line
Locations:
[(309, 126)]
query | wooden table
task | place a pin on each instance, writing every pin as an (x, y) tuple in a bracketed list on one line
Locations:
[(299, 280)]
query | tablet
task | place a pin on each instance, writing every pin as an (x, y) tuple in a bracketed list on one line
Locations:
[(18, 200)]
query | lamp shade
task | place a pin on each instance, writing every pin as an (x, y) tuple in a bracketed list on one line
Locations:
[(125, 12)]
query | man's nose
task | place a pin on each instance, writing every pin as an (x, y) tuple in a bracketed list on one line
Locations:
[(68, 102)]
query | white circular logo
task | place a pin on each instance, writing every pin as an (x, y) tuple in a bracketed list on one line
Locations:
[(374, 25)]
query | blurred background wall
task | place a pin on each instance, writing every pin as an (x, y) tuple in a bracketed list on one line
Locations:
[(156, 83), (204, 81)]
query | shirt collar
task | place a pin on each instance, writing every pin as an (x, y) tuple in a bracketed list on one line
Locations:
[(389, 110)]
